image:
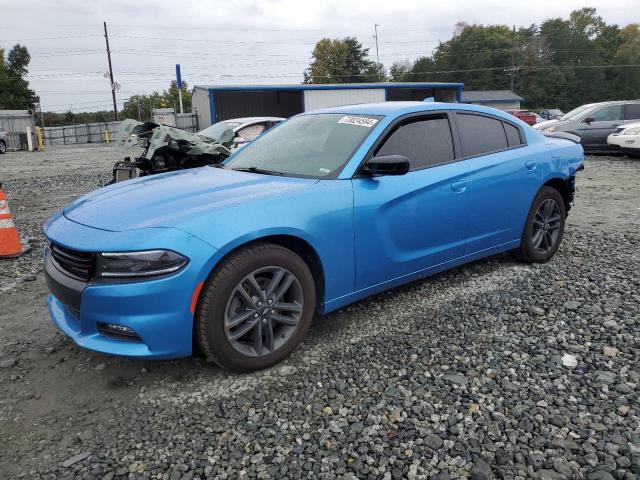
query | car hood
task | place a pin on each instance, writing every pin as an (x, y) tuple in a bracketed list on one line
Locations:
[(545, 124), (169, 199)]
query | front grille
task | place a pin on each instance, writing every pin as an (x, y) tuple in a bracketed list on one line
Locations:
[(77, 264)]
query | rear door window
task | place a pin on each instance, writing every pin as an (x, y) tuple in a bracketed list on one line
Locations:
[(633, 111), (480, 134), (425, 142)]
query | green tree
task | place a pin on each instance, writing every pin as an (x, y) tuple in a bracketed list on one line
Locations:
[(342, 61), (559, 63), (14, 87), (165, 99)]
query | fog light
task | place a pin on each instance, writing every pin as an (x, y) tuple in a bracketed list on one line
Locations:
[(117, 331)]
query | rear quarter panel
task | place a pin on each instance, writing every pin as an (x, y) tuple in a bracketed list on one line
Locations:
[(565, 159)]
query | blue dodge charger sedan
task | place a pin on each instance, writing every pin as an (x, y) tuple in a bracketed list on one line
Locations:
[(325, 209)]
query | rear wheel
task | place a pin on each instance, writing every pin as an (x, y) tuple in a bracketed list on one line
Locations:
[(3, 147), (544, 227), (256, 308)]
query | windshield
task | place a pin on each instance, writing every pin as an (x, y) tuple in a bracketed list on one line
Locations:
[(575, 112), (315, 146), (216, 130)]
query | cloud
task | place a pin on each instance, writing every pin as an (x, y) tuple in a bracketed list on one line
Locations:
[(235, 41)]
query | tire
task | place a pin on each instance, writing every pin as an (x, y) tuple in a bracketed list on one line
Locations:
[(3, 147), (543, 233), (230, 295)]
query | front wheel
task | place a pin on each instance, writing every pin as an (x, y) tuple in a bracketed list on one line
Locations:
[(544, 227), (255, 308), (3, 147)]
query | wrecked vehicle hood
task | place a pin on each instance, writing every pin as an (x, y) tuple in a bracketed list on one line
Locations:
[(166, 200), (133, 132)]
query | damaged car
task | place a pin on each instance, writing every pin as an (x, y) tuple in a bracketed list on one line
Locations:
[(165, 148)]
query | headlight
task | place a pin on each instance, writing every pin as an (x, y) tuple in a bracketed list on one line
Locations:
[(139, 264), (551, 129), (631, 131)]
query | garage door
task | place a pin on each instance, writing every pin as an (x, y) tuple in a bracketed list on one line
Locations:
[(244, 103), (314, 99)]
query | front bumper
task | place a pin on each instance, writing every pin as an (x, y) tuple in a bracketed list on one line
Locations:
[(157, 310), (624, 141)]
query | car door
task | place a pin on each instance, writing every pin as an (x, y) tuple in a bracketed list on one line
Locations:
[(632, 112), (408, 223), (598, 125), (505, 175)]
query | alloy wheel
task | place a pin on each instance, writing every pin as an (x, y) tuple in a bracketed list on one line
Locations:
[(546, 226), (263, 311)]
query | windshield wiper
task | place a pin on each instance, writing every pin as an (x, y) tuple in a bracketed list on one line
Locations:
[(258, 170)]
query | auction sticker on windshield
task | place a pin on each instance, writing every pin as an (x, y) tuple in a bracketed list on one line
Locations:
[(359, 121)]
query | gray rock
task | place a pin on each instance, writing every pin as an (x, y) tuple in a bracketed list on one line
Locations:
[(600, 475), (604, 376), (571, 305), (433, 441), (456, 379), (75, 459), (7, 362), (287, 370), (545, 474), (481, 470)]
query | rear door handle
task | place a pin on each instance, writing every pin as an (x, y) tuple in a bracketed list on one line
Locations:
[(531, 165), (459, 187)]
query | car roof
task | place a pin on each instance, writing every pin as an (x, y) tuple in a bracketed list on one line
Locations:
[(396, 109), (253, 119)]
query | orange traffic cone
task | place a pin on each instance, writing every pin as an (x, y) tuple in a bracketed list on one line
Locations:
[(10, 245)]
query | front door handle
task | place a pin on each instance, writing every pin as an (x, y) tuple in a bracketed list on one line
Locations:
[(459, 187), (531, 165)]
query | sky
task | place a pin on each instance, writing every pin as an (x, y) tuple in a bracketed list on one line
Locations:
[(235, 41)]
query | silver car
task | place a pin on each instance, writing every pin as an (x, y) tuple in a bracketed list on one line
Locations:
[(4, 141), (244, 130), (594, 122)]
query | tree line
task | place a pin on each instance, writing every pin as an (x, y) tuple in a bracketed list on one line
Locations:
[(560, 63)]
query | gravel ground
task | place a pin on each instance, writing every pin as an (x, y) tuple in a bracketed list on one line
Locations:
[(492, 370)]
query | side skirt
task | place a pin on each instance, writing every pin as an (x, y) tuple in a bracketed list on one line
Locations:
[(339, 302)]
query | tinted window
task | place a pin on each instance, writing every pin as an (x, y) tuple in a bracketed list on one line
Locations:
[(480, 134), (633, 111), (608, 114), (424, 143), (513, 134)]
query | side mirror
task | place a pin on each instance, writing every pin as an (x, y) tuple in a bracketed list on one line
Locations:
[(589, 120), (240, 140), (386, 165)]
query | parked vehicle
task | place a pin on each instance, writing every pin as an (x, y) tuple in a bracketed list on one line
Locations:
[(166, 149), (551, 113), (526, 116), (4, 141), (594, 122), (330, 207), (244, 130), (627, 139)]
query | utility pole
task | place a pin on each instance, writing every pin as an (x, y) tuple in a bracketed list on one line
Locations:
[(513, 58), (113, 85), (375, 35), (138, 101)]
